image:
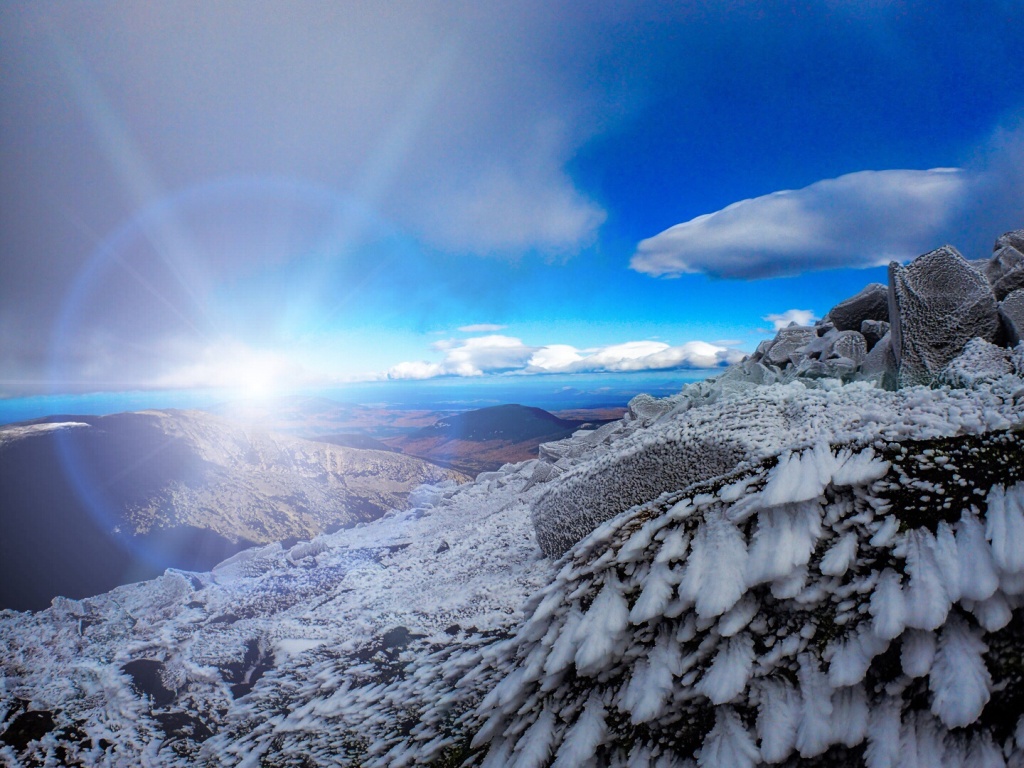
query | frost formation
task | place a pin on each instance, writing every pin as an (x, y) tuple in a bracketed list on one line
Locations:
[(795, 563)]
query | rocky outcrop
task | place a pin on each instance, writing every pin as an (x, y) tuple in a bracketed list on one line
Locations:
[(937, 304), (908, 333)]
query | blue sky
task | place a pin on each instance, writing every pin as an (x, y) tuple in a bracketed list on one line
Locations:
[(271, 195)]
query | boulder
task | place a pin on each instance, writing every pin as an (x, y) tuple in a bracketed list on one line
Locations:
[(817, 348), (762, 349), (582, 499), (1005, 259), (789, 345), (880, 365), (1011, 281), (1014, 239), (872, 303), (937, 303), (1011, 311), (848, 345), (873, 332)]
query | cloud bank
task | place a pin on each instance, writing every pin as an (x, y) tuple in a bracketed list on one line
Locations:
[(861, 219), (508, 355)]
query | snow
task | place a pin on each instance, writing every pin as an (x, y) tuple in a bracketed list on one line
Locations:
[(888, 606), (1004, 526), (714, 576), (917, 653), (599, 632), (730, 671), (584, 737), (729, 745), (778, 718), (814, 731), (959, 681), (840, 556), (926, 599)]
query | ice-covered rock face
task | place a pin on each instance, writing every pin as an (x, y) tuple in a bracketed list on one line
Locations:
[(938, 303), (872, 303), (577, 504)]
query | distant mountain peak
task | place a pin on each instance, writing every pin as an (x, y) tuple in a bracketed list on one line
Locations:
[(512, 422)]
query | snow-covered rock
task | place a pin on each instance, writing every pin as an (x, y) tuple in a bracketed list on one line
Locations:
[(938, 303)]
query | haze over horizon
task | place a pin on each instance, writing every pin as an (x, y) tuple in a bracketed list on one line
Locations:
[(268, 197)]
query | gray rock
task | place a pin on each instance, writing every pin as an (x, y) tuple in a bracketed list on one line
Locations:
[(1011, 310), (850, 345), (937, 303), (872, 303), (789, 345), (1014, 239), (1008, 283), (762, 349), (818, 347), (873, 331), (542, 473), (1005, 259), (879, 365)]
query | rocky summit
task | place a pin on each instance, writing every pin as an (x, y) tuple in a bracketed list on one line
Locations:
[(813, 559)]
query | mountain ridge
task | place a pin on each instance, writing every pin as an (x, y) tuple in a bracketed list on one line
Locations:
[(174, 488)]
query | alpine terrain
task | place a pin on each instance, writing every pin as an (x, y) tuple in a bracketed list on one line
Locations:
[(815, 558)]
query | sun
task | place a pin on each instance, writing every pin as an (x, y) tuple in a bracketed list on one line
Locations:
[(257, 379)]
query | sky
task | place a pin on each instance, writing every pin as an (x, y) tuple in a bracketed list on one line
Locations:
[(272, 195)]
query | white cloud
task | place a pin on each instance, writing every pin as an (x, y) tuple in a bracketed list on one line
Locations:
[(504, 354), (861, 219), (798, 316), (481, 328), (415, 370), (469, 357)]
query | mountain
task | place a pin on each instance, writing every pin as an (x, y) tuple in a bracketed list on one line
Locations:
[(91, 502), (813, 559), (486, 438)]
